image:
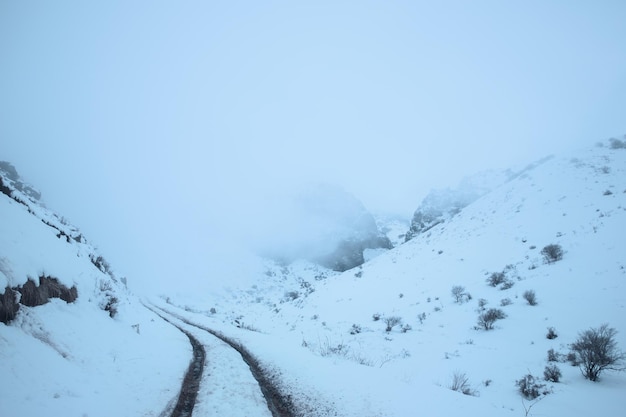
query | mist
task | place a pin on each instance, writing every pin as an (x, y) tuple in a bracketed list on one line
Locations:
[(178, 136)]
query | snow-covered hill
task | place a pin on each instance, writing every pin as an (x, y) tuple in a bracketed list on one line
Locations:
[(330, 342), (75, 359), (386, 338)]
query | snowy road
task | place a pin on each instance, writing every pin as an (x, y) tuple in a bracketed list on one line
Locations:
[(232, 383)]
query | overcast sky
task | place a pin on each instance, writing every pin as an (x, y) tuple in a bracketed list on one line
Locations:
[(155, 125)]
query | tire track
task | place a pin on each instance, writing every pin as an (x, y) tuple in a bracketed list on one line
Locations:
[(278, 404), (191, 382)]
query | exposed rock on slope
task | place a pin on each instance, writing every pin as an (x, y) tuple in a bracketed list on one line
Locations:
[(323, 224), (441, 205)]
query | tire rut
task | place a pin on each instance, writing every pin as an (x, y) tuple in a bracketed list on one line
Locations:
[(191, 382), (278, 404)]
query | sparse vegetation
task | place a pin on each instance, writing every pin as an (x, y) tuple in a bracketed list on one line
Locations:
[(487, 319), (459, 294), (552, 373), (460, 383), (617, 144), (551, 333), (553, 356), (505, 302), (596, 351), (291, 296), (530, 297), (482, 303), (391, 322), (530, 388), (552, 253), (507, 284), (355, 329), (421, 317), (496, 278)]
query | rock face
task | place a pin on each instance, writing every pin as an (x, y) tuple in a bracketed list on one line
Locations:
[(58, 267), (441, 205), (323, 224), (13, 180)]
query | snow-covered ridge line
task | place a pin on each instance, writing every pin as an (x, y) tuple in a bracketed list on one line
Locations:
[(27, 196)]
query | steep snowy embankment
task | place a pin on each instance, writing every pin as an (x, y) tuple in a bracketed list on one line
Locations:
[(73, 359)]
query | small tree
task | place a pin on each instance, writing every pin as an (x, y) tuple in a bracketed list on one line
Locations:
[(552, 253), (458, 293), (530, 297), (489, 317), (596, 351)]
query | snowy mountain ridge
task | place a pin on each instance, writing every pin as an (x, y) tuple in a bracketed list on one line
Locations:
[(387, 338), (575, 201)]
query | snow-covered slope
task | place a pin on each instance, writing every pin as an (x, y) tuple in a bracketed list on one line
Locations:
[(74, 359), (323, 335), (328, 344)]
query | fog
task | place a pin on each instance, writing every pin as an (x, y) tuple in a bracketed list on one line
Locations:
[(172, 132)]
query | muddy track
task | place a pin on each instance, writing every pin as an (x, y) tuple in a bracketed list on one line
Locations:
[(191, 383), (278, 404)]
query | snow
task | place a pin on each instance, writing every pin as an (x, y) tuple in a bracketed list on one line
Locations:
[(72, 359)]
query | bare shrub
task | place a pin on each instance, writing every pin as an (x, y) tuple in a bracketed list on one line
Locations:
[(553, 356), (552, 253), (596, 350), (551, 333), (460, 383), (487, 319), (111, 306), (481, 304), (505, 302), (530, 297), (391, 322), (530, 388), (552, 373), (507, 284), (496, 279)]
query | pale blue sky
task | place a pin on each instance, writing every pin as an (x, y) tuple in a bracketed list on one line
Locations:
[(131, 114)]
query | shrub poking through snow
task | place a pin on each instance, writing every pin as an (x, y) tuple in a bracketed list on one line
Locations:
[(460, 383), (496, 279), (530, 297), (553, 356), (481, 304), (530, 388), (551, 333), (391, 322), (487, 319), (552, 253), (505, 302), (552, 373), (596, 350)]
